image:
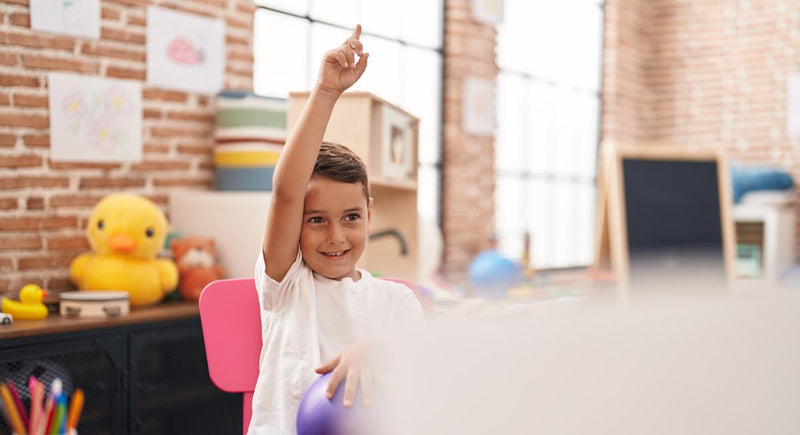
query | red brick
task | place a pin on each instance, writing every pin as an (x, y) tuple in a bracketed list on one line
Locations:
[(8, 204), (192, 116), (236, 40), (83, 165), (20, 161), (177, 132), (20, 19), (131, 2), (181, 182), (29, 242), (32, 182), (18, 80), (106, 51), (24, 120), (82, 200), (155, 149), (68, 243), (8, 59), (116, 183), (235, 23), (7, 140), (37, 223), (36, 140), (110, 13), (28, 100), (35, 203), (5, 100), (45, 261), (163, 94), (246, 56), (135, 20), (196, 149), (36, 40), (6, 264), (160, 166), (60, 64), (126, 73), (122, 35), (60, 284), (149, 113)]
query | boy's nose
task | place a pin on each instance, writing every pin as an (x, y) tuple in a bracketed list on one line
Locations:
[(334, 235)]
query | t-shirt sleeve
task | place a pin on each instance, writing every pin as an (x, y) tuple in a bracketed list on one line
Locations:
[(273, 294)]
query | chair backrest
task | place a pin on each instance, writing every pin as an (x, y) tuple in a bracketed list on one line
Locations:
[(229, 314)]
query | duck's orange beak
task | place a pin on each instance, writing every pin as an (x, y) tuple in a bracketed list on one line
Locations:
[(121, 242)]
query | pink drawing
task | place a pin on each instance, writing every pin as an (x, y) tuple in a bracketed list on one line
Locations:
[(181, 50), (74, 105), (115, 101), (104, 133)]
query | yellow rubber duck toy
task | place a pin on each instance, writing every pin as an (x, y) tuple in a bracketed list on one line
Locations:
[(29, 306), (126, 233)]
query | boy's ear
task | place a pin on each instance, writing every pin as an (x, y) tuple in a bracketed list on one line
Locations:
[(369, 210)]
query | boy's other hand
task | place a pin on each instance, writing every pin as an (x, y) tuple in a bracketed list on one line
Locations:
[(339, 70), (353, 365)]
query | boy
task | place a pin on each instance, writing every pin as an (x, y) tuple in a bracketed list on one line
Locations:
[(315, 305)]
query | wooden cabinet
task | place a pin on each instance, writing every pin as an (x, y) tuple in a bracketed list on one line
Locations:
[(386, 138), (144, 373)]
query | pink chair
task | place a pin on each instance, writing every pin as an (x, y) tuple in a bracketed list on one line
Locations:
[(229, 314)]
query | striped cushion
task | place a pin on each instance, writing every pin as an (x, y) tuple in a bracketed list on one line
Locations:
[(250, 134)]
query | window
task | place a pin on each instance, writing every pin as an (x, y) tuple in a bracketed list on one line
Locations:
[(548, 109), (405, 44)]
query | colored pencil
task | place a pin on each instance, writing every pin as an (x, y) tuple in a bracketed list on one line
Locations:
[(18, 401), (59, 415), (47, 416), (14, 420), (75, 408), (37, 397)]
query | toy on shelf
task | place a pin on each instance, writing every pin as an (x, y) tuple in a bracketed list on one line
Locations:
[(126, 233), (197, 267), (29, 306)]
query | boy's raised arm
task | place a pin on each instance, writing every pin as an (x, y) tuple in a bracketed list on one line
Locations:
[(338, 72)]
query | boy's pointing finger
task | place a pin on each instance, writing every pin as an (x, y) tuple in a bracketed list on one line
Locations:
[(357, 31)]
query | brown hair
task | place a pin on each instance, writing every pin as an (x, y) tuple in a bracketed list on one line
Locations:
[(339, 163)]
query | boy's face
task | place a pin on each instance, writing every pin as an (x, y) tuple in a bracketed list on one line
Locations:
[(335, 225)]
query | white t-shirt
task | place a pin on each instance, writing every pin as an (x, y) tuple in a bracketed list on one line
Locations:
[(308, 319)]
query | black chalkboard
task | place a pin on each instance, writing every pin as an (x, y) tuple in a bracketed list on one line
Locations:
[(673, 218)]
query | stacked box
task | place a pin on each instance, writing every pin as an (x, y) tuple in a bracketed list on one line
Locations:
[(250, 134)]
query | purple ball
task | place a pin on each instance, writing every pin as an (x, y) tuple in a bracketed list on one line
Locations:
[(319, 416)]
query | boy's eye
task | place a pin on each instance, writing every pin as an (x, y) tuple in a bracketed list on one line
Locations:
[(353, 217), (315, 220)]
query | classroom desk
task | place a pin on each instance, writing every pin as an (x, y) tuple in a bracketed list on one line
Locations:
[(142, 373)]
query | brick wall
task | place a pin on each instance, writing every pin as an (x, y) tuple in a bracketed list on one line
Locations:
[(703, 73), (467, 160), (44, 204)]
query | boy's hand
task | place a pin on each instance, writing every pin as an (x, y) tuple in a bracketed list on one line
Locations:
[(339, 70), (354, 364)]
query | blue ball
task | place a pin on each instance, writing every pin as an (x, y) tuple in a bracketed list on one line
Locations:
[(319, 416), (493, 274)]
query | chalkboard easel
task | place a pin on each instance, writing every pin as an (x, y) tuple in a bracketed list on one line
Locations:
[(656, 203)]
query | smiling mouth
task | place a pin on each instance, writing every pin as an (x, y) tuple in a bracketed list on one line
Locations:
[(336, 253)]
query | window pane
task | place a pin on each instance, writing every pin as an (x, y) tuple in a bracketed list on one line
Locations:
[(382, 18), (279, 51), (513, 34), (299, 7), (323, 38), (509, 219), (513, 139), (422, 83), (341, 12), (383, 73), (542, 123), (428, 183), (540, 223), (422, 22)]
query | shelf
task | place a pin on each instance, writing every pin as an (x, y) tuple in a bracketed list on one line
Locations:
[(394, 184)]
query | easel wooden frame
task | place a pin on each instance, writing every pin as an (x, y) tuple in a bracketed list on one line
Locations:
[(611, 230)]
